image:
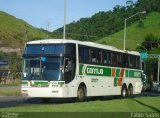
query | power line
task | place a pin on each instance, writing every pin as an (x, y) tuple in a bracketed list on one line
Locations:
[(76, 34)]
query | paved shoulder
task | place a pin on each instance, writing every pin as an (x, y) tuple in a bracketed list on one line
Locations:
[(11, 88)]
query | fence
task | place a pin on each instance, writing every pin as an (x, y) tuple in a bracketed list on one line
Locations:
[(8, 78)]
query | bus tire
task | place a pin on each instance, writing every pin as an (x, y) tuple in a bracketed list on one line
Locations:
[(124, 92), (130, 90), (81, 94)]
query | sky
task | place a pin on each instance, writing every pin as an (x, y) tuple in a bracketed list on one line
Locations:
[(44, 13)]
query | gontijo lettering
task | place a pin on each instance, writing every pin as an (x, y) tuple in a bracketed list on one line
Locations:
[(94, 71)]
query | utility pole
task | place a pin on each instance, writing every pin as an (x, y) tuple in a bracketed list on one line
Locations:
[(26, 34), (64, 28), (124, 45), (158, 69), (47, 27), (125, 25)]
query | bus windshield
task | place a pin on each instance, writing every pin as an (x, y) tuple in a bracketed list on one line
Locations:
[(43, 68)]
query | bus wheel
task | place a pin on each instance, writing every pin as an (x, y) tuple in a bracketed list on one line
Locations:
[(130, 90), (81, 94), (124, 91)]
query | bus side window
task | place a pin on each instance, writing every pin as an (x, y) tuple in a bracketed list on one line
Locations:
[(71, 49), (83, 54), (86, 55), (100, 56), (130, 58), (108, 58), (119, 60), (137, 63), (134, 62), (125, 61), (92, 55), (114, 59), (68, 65), (69, 69), (104, 57)]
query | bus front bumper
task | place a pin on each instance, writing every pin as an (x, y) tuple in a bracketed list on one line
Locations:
[(42, 92)]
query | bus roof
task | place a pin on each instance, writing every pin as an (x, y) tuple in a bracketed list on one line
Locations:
[(91, 44)]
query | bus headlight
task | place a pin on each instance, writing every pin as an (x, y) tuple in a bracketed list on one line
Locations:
[(24, 93)]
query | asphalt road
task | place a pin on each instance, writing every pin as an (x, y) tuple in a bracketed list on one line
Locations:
[(12, 101)]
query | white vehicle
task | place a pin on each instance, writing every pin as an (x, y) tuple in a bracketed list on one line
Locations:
[(57, 68)]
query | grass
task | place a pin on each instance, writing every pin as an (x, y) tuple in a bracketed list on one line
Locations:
[(10, 93), (141, 104), (8, 89), (135, 35)]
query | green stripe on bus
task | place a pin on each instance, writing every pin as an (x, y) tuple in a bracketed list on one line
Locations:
[(42, 83), (118, 72), (85, 69), (133, 73), (94, 70), (39, 83), (115, 81), (80, 69), (24, 82), (60, 83)]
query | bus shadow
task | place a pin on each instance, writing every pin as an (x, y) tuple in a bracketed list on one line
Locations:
[(49, 101), (63, 100), (31, 101), (141, 103), (20, 101)]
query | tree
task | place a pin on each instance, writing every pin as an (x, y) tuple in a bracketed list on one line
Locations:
[(140, 24), (106, 23), (150, 42)]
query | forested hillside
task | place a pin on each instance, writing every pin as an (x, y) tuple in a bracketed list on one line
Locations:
[(135, 33), (14, 31), (105, 23)]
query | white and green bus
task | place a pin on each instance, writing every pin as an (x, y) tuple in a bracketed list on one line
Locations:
[(57, 68)]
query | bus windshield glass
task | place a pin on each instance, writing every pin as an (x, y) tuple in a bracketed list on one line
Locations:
[(44, 68), (45, 49)]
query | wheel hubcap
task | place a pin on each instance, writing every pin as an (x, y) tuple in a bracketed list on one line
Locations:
[(81, 93), (124, 92)]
